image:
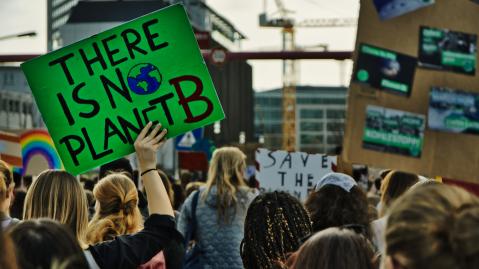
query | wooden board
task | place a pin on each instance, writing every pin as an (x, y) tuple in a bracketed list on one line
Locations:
[(444, 154)]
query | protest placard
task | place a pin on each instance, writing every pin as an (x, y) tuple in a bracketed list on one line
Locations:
[(447, 50), (394, 131), (453, 111), (385, 69), (293, 172), (388, 9), (96, 95)]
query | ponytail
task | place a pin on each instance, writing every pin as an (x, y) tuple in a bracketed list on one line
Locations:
[(117, 213)]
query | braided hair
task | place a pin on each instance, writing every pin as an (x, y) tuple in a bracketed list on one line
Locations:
[(275, 225)]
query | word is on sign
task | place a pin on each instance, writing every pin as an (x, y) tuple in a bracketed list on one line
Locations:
[(293, 172), (96, 95)]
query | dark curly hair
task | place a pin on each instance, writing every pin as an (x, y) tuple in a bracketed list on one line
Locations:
[(332, 206), (275, 225)]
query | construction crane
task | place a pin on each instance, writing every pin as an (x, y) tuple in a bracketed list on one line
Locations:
[(290, 71)]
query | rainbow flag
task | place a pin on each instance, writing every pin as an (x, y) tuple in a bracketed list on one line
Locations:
[(39, 142)]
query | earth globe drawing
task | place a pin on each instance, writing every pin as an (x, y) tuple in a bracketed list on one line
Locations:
[(144, 78)]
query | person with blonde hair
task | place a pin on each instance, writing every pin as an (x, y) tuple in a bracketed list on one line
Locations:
[(395, 183), (116, 211), (6, 195), (221, 207), (433, 226), (58, 195)]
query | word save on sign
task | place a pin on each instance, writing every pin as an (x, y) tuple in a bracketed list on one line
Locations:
[(293, 172), (96, 95)]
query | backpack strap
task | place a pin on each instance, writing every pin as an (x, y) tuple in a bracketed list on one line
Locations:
[(192, 225)]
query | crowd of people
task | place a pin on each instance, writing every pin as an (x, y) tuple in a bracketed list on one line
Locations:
[(404, 221)]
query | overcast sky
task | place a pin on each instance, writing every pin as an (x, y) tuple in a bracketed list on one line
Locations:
[(30, 15), (267, 74), (20, 16)]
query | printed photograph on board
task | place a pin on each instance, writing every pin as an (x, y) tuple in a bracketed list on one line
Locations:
[(388, 9), (447, 50), (394, 131), (453, 111), (385, 69)]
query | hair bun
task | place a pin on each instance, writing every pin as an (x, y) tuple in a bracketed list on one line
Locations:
[(464, 235), (127, 206)]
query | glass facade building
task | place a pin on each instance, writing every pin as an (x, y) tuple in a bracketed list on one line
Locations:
[(320, 117)]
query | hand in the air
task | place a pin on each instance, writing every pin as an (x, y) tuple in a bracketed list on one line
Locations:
[(146, 146)]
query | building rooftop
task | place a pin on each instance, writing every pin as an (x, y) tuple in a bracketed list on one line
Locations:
[(119, 11)]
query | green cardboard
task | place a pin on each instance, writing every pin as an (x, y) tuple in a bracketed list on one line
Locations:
[(97, 94)]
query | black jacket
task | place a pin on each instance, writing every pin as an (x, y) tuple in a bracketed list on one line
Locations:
[(130, 251)]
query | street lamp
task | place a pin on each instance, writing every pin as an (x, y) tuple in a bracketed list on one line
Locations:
[(26, 34)]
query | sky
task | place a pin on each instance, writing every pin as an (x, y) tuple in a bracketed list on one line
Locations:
[(30, 15), (20, 16), (267, 74)]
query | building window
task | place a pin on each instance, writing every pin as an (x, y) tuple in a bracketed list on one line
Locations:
[(311, 139), (335, 126), (311, 114), (334, 139), (335, 114), (311, 126)]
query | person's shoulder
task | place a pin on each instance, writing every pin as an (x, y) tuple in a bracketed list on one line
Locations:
[(250, 193)]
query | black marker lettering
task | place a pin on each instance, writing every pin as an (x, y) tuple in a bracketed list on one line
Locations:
[(299, 180), (63, 62), (108, 85), (97, 58), (126, 126), (111, 130), (162, 100), (287, 159), (111, 52), (151, 36), (66, 109), (131, 45), (282, 177), (73, 151), (270, 154), (93, 153), (95, 106)]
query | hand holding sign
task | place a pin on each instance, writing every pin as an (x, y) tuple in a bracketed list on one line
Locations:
[(96, 95), (146, 146)]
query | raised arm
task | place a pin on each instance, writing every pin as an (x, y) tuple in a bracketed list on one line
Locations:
[(159, 232), (146, 147)]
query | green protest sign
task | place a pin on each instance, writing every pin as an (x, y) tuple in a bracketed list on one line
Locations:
[(394, 131), (96, 95)]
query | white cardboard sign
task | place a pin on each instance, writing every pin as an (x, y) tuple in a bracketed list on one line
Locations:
[(293, 172)]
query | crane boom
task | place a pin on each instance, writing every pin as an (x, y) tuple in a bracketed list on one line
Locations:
[(328, 22)]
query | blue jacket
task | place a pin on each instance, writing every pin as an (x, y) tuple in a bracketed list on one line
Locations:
[(219, 242)]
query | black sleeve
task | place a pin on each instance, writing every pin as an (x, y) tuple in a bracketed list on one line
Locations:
[(130, 251)]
